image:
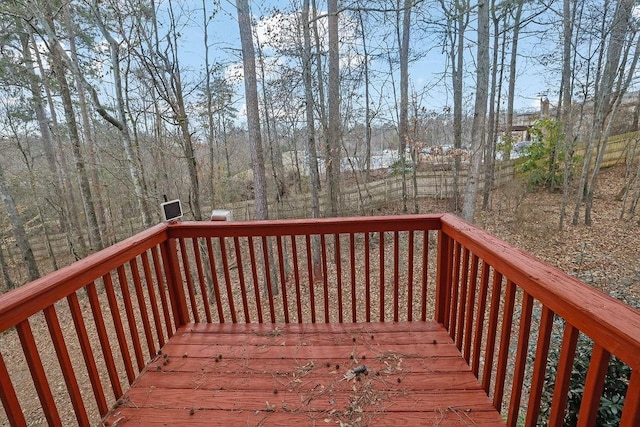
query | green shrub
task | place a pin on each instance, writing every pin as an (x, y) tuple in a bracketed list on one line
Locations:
[(542, 164), (615, 384)]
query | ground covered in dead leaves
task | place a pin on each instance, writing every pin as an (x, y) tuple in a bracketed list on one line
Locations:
[(605, 255)]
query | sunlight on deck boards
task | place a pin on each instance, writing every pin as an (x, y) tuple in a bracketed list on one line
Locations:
[(287, 374)]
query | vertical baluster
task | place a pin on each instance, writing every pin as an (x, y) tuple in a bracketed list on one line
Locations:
[(65, 365), (254, 276), (296, 276), (107, 351), (146, 324), (505, 338), (325, 277), (131, 320), (631, 409), (161, 290), (410, 277), (310, 268), (396, 276), (540, 365), (117, 323), (243, 287), (593, 386), (352, 262), (201, 276), (187, 273), (338, 261), (443, 279), (520, 360), (492, 328), (367, 275), (478, 332), (267, 275), (471, 304), (455, 286), (227, 277), (214, 279), (283, 279), (382, 278), (9, 399), (153, 298), (462, 308), (87, 353), (40, 381), (425, 276), (563, 374)]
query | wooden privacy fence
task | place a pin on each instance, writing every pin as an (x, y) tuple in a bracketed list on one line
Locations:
[(79, 337), (364, 197)]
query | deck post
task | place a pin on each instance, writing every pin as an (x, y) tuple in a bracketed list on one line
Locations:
[(174, 282), (443, 278)]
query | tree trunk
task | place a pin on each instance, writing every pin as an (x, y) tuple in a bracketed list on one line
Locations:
[(567, 122), (512, 73), (253, 115), (85, 187), (367, 100), (64, 200), (480, 112), (209, 106), (490, 146), (114, 50), (314, 176), (86, 121), (606, 102), (456, 54), (403, 122), (334, 119), (8, 282), (17, 227)]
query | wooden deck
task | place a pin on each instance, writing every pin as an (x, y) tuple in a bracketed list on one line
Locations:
[(80, 338), (286, 374)]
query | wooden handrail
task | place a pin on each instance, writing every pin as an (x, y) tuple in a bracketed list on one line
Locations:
[(606, 320), (304, 226), (25, 301)]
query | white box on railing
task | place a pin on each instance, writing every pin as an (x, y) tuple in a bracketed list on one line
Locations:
[(221, 215)]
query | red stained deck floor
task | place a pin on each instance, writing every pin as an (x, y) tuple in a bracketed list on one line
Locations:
[(264, 374)]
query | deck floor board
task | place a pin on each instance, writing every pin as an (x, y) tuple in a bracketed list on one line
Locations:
[(263, 374)]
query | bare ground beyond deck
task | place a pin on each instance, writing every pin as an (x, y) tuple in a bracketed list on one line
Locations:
[(265, 374)]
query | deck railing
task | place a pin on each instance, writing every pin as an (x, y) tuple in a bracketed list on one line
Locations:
[(78, 337)]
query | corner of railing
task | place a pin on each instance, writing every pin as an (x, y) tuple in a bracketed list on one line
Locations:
[(443, 278), (174, 282)]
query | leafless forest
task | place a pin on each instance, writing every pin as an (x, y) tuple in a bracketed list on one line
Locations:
[(109, 106)]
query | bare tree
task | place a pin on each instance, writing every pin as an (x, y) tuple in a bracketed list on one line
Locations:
[(84, 107), (58, 66), (403, 123), (122, 125), (611, 85), (314, 181), (567, 90), (17, 227), (480, 112), (253, 115), (517, 17), (334, 121), (457, 16)]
